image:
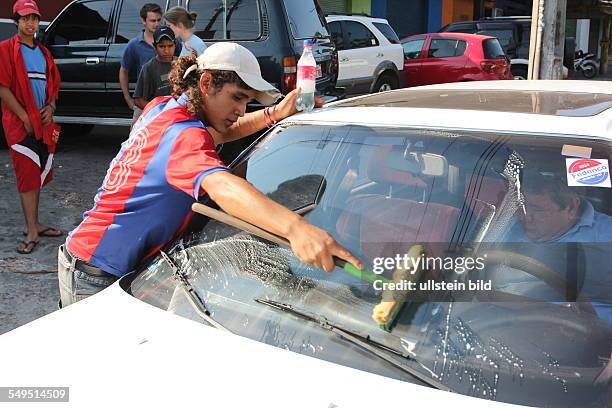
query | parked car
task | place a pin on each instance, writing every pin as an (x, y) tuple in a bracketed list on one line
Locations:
[(88, 38), (453, 57), (442, 167), (514, 33), (369, 52)]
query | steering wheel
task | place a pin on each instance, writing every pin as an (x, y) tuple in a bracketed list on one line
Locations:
[(539, 270)]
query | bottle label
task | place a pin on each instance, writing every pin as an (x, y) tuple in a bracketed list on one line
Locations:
[(306, 73)]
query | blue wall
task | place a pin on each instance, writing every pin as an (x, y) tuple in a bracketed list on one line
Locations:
[(379, 8), (434, 18), (410, 17)]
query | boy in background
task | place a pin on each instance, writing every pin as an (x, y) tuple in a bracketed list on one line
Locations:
[(153, 79), (29, 86)]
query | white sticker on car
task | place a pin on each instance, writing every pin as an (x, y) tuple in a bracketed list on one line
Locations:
[(576, 151), (588, 172)]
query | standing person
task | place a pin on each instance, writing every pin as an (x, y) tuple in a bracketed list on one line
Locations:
[(139, 51), (182, 23), (153, 78), (169, 162), (29, 85)]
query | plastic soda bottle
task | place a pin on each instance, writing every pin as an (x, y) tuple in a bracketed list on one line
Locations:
[(306, 78)]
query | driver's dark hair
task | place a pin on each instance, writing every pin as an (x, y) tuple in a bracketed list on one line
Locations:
[(16, 17), (149, 8), (552, 184), (191, 84)]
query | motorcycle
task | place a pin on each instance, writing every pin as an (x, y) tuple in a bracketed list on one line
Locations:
[(587, 64)]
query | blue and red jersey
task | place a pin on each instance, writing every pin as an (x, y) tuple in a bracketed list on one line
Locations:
[(148, 190)]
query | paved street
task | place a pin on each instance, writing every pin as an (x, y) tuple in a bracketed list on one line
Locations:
[(28, 283)]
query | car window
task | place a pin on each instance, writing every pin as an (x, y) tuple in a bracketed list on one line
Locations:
[(83, 23), (243, 19), (524, 34), (388, 32), (305, 19), (7, 29), (461, 46), (505, 37), (444, 48), (492, 49), (412, 48), (358, 35), (130, 23), (477, 206), (335, 27)]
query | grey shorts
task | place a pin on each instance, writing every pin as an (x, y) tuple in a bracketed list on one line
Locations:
[(75, 284)]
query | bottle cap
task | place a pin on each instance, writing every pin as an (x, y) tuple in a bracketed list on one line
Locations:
[(307, 43)]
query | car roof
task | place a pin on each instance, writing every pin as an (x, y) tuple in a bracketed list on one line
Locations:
[(336, 17), (575, 108), (464, 36)]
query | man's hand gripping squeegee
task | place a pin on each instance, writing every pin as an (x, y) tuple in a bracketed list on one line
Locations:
[(225, 218)]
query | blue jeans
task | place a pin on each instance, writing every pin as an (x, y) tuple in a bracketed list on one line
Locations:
[(75, 285)]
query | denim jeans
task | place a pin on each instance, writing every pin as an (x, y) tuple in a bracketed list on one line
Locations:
[(75, 285)]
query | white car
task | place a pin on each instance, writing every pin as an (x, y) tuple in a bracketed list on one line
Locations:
[(370, 55), (228, 318)]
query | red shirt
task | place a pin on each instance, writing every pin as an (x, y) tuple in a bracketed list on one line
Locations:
[(13, 75)]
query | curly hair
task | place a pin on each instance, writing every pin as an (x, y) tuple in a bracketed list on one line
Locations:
[(190, 85)]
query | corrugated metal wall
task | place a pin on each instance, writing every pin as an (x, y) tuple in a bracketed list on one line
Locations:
[(334, 6)]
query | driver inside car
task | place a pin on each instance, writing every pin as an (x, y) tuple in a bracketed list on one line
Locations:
[(555, 215)]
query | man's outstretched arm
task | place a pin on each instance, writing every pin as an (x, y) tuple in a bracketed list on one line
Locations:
[(310, 244)]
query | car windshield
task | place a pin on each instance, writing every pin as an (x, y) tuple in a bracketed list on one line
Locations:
[(305, 19), (507, 241)]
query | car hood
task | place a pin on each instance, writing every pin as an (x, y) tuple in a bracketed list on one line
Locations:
[(114, 349)]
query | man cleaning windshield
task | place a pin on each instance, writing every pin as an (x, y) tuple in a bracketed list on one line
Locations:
[(169, 162)]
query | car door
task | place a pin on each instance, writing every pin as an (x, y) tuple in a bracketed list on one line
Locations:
[(337, 35), (358, 60), (444, 61), (413, 60), (78, 41)]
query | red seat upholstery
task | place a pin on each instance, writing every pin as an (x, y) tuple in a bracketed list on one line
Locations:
[(390, 226)]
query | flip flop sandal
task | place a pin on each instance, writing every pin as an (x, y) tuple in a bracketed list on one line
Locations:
[(27, 244), (47, 233)]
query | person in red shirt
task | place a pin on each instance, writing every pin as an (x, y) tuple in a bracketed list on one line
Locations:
[(169, 162), (29, 85)]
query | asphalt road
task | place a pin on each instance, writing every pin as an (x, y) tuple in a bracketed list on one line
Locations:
[(28, 283)]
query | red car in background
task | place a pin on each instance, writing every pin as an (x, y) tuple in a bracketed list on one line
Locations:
[(453, 57)]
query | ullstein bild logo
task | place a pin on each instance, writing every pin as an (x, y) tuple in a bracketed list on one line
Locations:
[(588, 172)]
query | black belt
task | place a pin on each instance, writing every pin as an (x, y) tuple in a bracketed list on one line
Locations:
[(84, 266)]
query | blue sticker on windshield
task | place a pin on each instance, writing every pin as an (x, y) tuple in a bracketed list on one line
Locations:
[(588, 172)]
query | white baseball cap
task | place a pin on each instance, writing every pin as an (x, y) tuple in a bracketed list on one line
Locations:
[(229, 56)]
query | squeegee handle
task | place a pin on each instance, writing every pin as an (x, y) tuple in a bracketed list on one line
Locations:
[(261, 233)]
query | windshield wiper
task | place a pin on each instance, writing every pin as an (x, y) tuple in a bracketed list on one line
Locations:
[(365, 342), (191, 294)]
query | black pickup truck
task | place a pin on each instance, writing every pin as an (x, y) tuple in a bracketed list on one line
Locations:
[(88, 38)]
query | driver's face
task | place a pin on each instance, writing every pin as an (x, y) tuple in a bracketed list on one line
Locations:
[(545, 219)]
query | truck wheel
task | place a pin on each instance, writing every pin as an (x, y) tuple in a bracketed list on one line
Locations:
[(519, 72), (386, 82)]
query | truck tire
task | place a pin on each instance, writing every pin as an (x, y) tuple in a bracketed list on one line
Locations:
[(519, 72)]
